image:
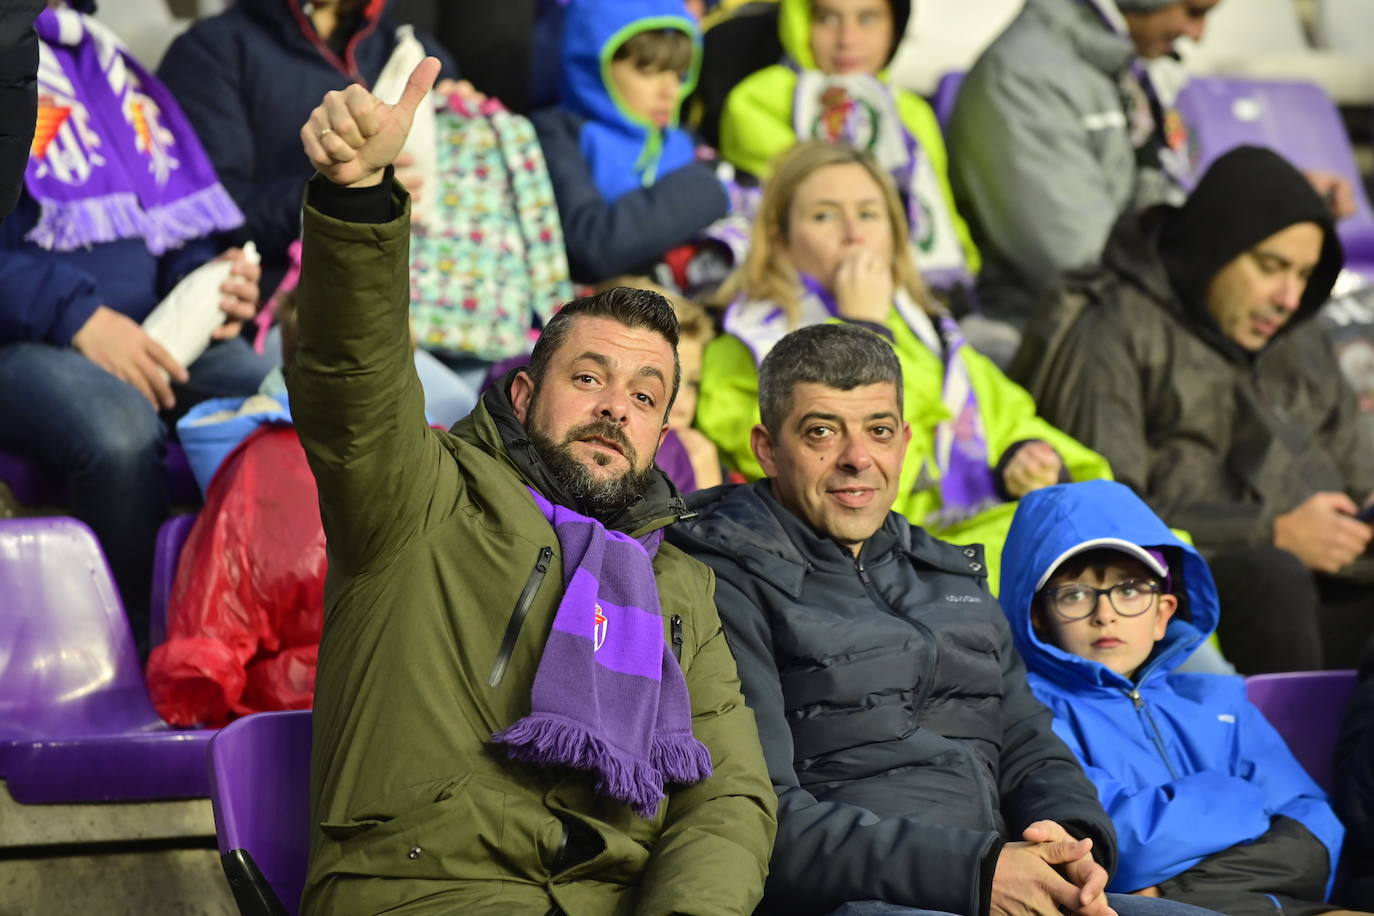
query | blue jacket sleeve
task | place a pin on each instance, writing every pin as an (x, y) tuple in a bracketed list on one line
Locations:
[(1287, 788), (1157, 826), (42, 299), (604, 239)]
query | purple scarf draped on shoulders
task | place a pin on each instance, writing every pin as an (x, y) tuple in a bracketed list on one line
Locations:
[(113, 156), (608, 695)]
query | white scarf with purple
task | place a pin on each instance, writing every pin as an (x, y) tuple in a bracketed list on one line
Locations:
[(968, 484), (113, 157)]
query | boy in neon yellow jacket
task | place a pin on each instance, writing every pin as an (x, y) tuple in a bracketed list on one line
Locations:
[(833, 86), (830, 245)]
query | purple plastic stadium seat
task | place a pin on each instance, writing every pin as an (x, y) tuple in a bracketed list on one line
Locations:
[(35, 485), (260, 789), (946, 91), (1306, 707), (171, 537), (1299, 121), (75, 721)]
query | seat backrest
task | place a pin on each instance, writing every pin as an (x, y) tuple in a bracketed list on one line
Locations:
[(946, 93), (260, 790), (171, 537), (1297, 120), (1306, 707), (68, 665)]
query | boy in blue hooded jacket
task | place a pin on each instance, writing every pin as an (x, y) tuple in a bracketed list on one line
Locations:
[(1210, 806), (625, 176)]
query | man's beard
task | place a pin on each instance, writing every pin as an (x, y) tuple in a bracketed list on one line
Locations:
[(601, 497)]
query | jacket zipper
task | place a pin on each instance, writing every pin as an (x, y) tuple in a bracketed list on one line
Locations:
[(1153, 729), (677, 637), (926, 631), (517, 617)]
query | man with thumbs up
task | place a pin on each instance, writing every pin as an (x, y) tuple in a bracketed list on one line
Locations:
[(524, 702)]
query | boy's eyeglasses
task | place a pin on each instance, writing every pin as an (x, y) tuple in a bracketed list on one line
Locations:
[(1129, 599)]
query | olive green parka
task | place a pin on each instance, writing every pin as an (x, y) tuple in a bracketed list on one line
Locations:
[(442, 586)]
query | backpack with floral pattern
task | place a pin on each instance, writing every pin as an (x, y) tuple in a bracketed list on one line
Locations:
[(489, 266)]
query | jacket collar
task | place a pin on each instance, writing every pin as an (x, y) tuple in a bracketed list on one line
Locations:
[(493, 427), (747, 523)]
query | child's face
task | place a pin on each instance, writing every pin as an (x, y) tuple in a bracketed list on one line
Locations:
[(851, 36), (1121, 643), (650, 94), (689, 352)]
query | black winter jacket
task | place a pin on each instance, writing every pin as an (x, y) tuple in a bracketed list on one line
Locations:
[(902, 740), (1218, 441)]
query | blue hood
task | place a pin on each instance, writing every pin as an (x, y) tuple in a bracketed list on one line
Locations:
[(1052, 521), (624, 150)]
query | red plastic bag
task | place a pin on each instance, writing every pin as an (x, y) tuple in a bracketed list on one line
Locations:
[(244, 618)]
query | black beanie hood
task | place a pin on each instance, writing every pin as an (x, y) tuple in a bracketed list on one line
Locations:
[(1246, 196)]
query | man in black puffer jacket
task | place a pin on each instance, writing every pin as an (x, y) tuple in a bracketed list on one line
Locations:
[(912, 764)]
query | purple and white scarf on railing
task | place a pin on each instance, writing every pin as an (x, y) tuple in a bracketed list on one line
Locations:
[(967, 482), (113, 157), (608, 695)]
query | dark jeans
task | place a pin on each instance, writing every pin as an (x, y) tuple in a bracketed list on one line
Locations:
[(1278, 615), (105, 439), (1124, 904)]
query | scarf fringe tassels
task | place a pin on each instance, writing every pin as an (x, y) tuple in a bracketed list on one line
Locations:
[(72, 225)]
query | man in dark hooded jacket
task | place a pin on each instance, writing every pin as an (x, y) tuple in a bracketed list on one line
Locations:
[(1191, 362)]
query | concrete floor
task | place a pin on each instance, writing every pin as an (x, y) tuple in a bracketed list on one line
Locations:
[(139, 859)]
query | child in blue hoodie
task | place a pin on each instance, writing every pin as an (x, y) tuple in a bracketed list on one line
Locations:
[(626, 178), (1210, 806)]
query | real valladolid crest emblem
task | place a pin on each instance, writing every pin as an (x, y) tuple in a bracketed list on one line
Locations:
[(599, 630)]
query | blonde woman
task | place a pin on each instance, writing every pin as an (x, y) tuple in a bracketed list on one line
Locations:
[(830, 244)]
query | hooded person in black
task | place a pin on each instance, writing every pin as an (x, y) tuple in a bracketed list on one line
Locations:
[(1190, 361)]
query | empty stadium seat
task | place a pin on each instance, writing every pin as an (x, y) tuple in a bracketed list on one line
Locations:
[(260, 789), (76, 724), (1264, 39), (945, 95), (1297, 120), (171, 537), (1306, 707)]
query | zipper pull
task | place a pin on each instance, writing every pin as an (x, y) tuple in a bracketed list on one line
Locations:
[(863, 573), (676, 624), (545, 554), (1136, 698)]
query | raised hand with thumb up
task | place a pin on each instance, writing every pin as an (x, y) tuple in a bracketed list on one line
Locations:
[(352, 136)]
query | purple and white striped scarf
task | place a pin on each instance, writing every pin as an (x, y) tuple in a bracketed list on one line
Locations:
[(608, 695), (113, 157)]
